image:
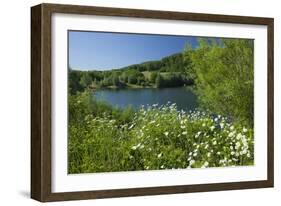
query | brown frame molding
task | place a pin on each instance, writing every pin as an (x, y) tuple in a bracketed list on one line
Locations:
[(41, 101)]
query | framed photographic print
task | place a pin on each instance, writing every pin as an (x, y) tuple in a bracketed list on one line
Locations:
[(129, 102)]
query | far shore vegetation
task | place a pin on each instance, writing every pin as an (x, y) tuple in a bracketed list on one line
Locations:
[(104, 138), (167, 72)]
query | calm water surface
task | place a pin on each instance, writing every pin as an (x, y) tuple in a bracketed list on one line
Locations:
[(183, 97)]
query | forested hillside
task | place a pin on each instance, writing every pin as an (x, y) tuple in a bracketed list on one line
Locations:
[(168, 72)]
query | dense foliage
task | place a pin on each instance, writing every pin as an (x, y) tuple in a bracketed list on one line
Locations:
[(224, 77), (104, 139)]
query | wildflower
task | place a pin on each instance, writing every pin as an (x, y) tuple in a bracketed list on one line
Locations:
[(195, 154), (134, 147), (231, 134), (166, 133), (237, 145), (206, 164), (222, 162), (221, 125), (239, 136), (184, 133), (204, 124), (159, 155), (131, 126), (162, 166), (152, 122), (214, 142), (232, 128), (244, 129), (212, 128), (191, 162)]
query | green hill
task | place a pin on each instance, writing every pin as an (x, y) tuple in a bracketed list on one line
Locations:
[(169, 71)]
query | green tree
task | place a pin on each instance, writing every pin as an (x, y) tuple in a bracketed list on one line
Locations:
[(152, 77), (124, 77), (140, 80), (132, 79), (85, 80), (187, 59), (74, 82), (115, 80), (225, 77), (159, 82)]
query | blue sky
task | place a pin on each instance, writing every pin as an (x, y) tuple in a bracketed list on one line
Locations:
[(105, 51)]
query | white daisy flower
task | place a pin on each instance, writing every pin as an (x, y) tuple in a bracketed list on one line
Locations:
[(191, 162), (159, 155), (206, 164)]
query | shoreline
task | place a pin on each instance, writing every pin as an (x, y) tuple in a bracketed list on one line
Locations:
[(136, 87)]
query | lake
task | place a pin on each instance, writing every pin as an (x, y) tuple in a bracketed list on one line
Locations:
[(183, 97)]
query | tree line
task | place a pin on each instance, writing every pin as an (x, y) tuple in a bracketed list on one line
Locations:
[(167, 72)]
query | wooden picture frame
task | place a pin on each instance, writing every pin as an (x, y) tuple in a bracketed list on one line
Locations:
[(41, 95)]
